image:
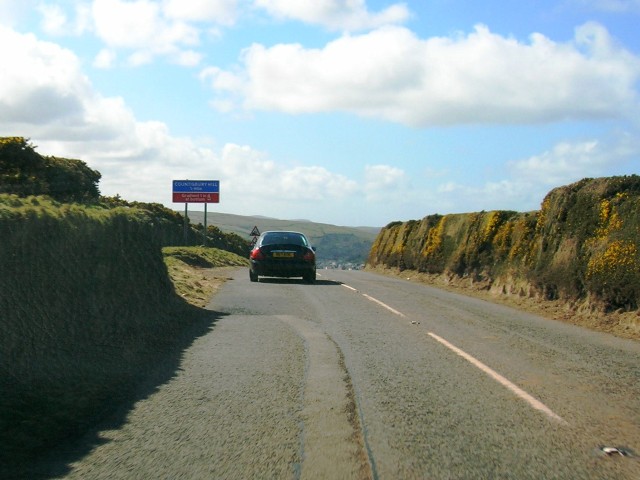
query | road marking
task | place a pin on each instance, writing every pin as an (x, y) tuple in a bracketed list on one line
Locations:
[(535, 403), (392, 310), (382, 304)]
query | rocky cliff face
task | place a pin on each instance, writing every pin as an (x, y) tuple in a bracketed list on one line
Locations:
[(582, 246)]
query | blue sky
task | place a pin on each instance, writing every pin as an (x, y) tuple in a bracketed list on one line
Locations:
[(349, 112)]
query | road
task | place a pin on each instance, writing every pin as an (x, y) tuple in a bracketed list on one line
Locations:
[(365, 376)]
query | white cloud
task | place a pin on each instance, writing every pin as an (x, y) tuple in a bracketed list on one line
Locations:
[(144, 29), (41, 82), (568, 162), (188, 58), (530, 179), (383, 181), (476, 78), (54, 18), (140, 26), (253, 174), (506, 194), (564, 161), (315, 183), (46, 97), (56, 21), (222, 12), (346, 15), (105, 58), (129, 24)]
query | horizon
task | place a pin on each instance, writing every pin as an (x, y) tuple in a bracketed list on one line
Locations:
[(350, 113)]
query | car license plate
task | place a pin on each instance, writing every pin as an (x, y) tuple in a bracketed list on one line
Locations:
[(283, 254)]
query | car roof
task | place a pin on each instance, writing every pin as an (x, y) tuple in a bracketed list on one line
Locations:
[(283, 231)]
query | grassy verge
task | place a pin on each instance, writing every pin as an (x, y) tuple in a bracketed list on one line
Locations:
[(197, 272)]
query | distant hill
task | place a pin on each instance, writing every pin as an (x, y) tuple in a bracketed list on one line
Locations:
[(345, 246)]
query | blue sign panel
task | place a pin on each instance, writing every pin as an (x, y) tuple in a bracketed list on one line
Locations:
[(196, 186)]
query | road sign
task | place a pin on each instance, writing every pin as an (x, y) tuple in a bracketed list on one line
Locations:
[(196, 191), (211, 186), (196, 197), (255, 232)]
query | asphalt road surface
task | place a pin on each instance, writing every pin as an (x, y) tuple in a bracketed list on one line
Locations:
[(364, 376)]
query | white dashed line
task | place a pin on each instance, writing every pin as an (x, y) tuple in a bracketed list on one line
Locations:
[(347, 286), (382, 304), (535, 403), (532, 401), (392, 310)]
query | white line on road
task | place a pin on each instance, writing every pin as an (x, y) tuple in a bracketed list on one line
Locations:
[(384, 305), (347, 286), (535, 403)]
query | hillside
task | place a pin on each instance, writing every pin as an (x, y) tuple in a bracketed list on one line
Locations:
[(582, 248), (336, 245)]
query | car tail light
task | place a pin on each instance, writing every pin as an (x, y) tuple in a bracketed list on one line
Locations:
[(256, 254), (309, 256)]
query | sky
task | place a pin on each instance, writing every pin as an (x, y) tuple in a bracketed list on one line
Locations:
[(348, 112)]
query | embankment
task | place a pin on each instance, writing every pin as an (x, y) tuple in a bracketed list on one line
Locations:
[(87, 309), (580, 250)]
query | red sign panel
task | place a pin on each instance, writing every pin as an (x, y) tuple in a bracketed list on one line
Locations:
[(196, 197)]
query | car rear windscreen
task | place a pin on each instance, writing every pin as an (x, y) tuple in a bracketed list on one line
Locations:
[(284, 239)]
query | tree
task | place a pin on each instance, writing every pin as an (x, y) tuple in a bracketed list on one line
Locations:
[(25, 172)]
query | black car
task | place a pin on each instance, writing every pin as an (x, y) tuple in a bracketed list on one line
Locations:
[(283, 254)]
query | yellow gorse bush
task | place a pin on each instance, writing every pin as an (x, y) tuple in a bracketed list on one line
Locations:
[(434, 238), (609, 218), (10, 140), (611, 255), (493, 222), (620, 254)]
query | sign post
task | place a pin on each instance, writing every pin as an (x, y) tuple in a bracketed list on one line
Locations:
[(196, 191), (186, 228), (255, 233)]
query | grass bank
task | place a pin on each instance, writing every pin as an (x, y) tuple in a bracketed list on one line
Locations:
[(88, 306), (580, 253), (197, 272)]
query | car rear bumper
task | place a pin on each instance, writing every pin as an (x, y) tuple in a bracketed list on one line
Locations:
[(281, 269)]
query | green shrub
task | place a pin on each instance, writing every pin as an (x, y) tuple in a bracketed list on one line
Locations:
[(24, 172)]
